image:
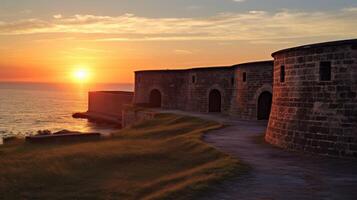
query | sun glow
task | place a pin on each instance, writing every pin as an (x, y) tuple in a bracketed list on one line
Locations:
[(81, 75)]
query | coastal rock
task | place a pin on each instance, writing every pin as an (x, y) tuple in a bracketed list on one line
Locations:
[(80, 115), (43, 132), (98, 118), (62, 132), (6, 137), (62, 136)]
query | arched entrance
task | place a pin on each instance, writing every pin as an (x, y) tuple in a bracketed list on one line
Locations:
[(215, 101), (155, 98), (264, 105)]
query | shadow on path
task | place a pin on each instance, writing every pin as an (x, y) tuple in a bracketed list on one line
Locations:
[(277, 174)]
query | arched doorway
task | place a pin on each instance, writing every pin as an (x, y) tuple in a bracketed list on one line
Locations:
[(215, 101), (155, 98), (264, 105)]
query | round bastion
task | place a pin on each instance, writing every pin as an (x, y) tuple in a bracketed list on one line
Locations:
[(314, 107)]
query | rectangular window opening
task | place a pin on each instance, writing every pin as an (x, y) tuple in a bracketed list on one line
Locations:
[(193, 79), (244, 76), (282, 74), (325, 71)]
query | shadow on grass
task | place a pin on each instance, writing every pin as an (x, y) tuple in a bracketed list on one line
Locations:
[(163, 158)]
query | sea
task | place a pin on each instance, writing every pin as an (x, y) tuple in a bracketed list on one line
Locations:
[(26, 108)]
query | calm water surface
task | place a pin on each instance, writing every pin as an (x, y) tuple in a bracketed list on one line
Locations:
[(26, 108)]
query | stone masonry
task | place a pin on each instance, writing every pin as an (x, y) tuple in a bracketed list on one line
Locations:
[(315, 99), (308, 93), (190, 89)]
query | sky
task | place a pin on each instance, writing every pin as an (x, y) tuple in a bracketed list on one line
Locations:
[(49, 40)]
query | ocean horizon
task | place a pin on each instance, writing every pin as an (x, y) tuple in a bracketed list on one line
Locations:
[(26, 108)]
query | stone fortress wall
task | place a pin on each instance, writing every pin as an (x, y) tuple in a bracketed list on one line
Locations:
[(108, 104), (315, 99), (202, 81), (232, 90), (313, 107), (251, 99), (168, 82)]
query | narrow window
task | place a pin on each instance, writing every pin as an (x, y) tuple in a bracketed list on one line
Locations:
[(325, 71), (232, 81), (244, 76), (193, 79), (282, 74)]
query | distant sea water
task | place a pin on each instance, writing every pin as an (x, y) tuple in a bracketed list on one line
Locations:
[(26, 108)]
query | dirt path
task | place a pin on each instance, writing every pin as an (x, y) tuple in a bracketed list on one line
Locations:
[(277, 174)]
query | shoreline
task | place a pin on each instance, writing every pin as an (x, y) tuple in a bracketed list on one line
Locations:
[(97, 117)]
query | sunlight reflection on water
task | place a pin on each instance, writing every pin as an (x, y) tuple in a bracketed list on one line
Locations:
[(27, 108)]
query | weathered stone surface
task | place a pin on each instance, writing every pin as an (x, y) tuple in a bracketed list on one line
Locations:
[(189, 89), (244, 101), (133, 117), (108, 103), (106, 106), (313, 115)]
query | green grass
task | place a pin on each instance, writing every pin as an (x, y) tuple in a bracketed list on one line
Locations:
[(164, 158)]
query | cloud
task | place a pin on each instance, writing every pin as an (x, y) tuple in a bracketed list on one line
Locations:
[(58, 16), (239, 1), (251, 25), (276, 41), (257, 12), (87, 53), (194, 7), (26, 11), (183, 52), (350, 9)]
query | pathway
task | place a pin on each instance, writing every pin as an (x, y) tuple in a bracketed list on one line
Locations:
[(277, 174)]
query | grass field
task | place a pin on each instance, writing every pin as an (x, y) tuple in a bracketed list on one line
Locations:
[(159, 159)]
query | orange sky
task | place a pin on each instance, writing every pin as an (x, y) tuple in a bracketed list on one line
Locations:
[(54, 60), (48, 45)]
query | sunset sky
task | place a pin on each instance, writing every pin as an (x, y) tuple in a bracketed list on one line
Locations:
[(50, 40)]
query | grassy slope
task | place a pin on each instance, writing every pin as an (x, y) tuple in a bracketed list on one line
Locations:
[(161, 158)]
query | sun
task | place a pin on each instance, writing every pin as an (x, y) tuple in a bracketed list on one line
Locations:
[(81, 75)]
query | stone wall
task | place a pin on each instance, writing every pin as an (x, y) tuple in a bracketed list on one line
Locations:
[(259, 79), (132, 117), (190, 89), (171, 84), (310, 113), (185, 89), (108, 103), (206, 80)]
